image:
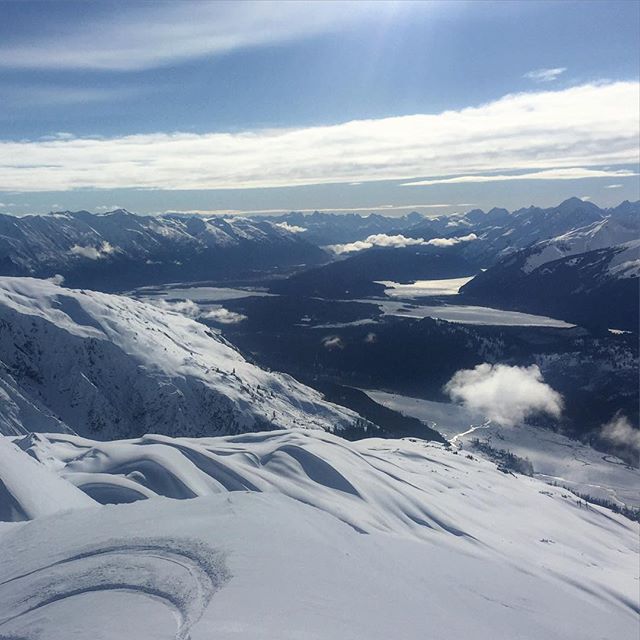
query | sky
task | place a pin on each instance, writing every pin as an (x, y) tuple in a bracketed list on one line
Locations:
[(264, 106)]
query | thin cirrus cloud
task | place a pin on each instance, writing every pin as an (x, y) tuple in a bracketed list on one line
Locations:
[(148, 35), (587, 125), (572, 173), (545, 75)]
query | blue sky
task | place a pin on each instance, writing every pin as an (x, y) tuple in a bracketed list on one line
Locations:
[(259, 106)]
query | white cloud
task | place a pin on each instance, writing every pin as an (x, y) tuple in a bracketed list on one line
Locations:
[(620, 432), (332, 342), (506, 395), (545, 75), (586, 125), (398, 242), (450, 242), (224, 316), (94, 253), (56, 279), (107, 208), (572, 173), (291, 228), (133, 36)]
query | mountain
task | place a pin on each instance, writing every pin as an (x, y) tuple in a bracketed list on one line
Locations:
[(107, 366), (120, 250), (501, 233), (597, 288), (333, 228), (293, 534)]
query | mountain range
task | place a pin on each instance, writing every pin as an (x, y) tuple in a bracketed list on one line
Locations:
[(120, 250)]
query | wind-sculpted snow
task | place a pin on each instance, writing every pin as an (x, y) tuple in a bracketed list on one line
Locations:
[(180, 573), (108, 366), (29, 489), (301, 534)]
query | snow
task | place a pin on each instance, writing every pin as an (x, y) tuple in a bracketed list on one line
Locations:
[(424, 288), (29, 489), (373, 539), (599, 235), (113, 366), (626, 262), (199, 294), (555, 458), (467, 314)]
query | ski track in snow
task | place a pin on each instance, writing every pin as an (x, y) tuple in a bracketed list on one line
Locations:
[(182, 574)]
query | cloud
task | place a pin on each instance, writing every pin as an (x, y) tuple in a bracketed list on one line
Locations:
[(398, 242), (56, 279), (224, 316), (572, 173), (185, 307), (450, 242), (506, 395), (594, 125), (27, 96), (134, 36), (94, 253), (332, 342), (545, 75), (619, 431), (291, 228)]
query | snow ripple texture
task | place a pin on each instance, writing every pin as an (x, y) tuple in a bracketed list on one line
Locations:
[(182, 574)]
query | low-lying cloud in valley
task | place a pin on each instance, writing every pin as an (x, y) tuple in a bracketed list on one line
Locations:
[(93, 253), (620, 432), (504, 394), (398, 242)]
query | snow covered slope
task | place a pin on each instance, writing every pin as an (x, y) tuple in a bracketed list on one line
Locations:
[(555, 457), (302, 535), (108, 366)]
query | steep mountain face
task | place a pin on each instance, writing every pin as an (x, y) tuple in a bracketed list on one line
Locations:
[(596, 288), (107, 366), (120, 250), (333, 228)]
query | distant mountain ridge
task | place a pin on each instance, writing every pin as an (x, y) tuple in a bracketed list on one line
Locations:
[(333, 228), (120, 250), (500, 232)]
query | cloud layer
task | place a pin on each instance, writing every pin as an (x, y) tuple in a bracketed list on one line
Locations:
[(134, 36), (583, 126), (572, 173), (506, 395), (398, 242)]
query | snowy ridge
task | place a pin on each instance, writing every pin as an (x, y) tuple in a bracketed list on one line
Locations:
[(109, 366), (605, 233), (279, 522)]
